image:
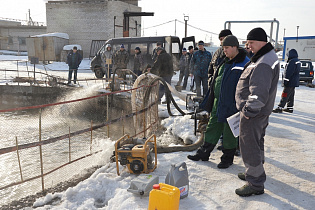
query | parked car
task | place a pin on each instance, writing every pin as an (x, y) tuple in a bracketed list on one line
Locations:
[(307, 71)]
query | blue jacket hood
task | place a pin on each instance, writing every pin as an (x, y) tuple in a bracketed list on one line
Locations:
[(292, 54)]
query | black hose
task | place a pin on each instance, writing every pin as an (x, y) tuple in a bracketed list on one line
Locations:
[(168, 95), (169, 99)]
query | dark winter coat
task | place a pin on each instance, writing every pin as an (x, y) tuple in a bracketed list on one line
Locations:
[(183, 63), (232, 72), (291, 77), (200, 61), (154, 54), (257, 87), (216, 60), (121, 59), (163, 66), (74, 60), (138, 62)]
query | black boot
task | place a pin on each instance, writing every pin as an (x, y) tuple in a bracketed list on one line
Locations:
[(277, 110), (227, 158), (288, 109), (203, 153)]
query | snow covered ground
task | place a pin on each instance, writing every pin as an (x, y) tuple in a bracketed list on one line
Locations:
[(290, 169)]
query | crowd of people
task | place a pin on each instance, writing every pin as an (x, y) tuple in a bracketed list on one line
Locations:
[(234, 80)]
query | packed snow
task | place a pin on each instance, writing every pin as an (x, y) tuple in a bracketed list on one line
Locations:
[(290, 166), (60, 35)]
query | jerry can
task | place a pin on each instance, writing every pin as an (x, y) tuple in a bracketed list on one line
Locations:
[(143, 184), (178, 177), (164, 197)]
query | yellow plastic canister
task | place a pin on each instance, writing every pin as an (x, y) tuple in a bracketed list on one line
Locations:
[(164, 197)]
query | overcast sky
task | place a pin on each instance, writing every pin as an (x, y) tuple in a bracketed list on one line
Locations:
[(208, 15)]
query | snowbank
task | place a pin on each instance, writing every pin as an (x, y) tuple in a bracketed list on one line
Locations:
[(56, 34), (70, 47)]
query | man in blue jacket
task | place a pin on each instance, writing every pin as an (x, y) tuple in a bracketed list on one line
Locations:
[(200, 62), (291, 79), (222, 103)]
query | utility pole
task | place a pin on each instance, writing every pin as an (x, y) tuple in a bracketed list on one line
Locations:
[(175, 26), (114, 25), (30, 22), (186, 18), (136, 27)]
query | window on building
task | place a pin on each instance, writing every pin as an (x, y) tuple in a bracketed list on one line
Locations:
[(10, 40), (22, 40)]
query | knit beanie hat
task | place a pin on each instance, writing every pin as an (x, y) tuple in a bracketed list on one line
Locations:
[(230, 40), (201, 42), (224, 33), (257, 34)]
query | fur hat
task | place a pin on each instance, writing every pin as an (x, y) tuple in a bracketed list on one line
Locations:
[(257, 34), (230, 40)]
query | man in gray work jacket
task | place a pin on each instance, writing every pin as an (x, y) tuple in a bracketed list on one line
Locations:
[(255, 97)]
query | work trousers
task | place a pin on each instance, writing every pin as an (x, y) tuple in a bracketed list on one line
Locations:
[(251, 141), (167, 79), (204, 81), (75, 71), (108, 70), (215, 129), (183, 74), (287, 97)]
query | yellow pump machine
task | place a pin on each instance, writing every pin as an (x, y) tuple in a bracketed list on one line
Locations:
[(136, 154)]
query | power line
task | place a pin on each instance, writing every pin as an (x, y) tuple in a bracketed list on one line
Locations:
[(160, 24), (200, 29), (182, 23)]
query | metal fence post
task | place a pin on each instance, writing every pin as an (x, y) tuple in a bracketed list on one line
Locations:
[(40, 148), (69, 146), (136, 121), (17, 68), (107, 114), (123, 122), (91, 136), (144, 125), (18, 156), (28, 74)]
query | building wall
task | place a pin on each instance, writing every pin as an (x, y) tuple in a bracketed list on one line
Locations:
[(13, 35), (304, 45), (85, 21)]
